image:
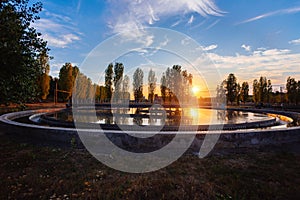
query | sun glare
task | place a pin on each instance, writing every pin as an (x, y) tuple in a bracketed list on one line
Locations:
[(195, 90), (193, 113)]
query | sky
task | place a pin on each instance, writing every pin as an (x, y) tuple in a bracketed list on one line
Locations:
[(248, 38)]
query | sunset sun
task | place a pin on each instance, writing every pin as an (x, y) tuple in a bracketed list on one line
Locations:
[(195, 90)]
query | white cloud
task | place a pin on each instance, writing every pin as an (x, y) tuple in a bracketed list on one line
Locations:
[(191, 20), (78, 6), (186, 41), (136, 14), (246, 47), (296, 42), (61, 41), (211, 47), (58, 30), (270, 14), (213, 24), (275, 52), (150, 52), (275, 64), (46, 24), (57, 16), (207, 48), (176, 23)]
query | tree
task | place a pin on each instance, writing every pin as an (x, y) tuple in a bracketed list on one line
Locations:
[(169, 84), (231, 88), (103, 93), (138, 77), (245, 92), (20, 47), (269, 90), (151, 85), (108, 81), (185, 85), (221, 94), (44, 79), (67, 76), (163, 87), (176, 82), (125, 88), (292, 90), (190, 84), (119, 70), (81, 87), (255, 91), (262, 89), (298, 92), (238, 94), (90, 91)]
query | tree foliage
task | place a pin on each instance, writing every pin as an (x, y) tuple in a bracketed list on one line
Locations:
[(163, 87), (231, 88), (138, 77), (293, 90), (244, 92), (109, 81), (118, 77), (255, 91), (151, 85), (262, 90), (176, 84), (20, 48), (221, 94), (67, 76), (44, 79), (125, 88)]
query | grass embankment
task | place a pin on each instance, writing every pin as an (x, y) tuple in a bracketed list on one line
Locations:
[(34, 172)]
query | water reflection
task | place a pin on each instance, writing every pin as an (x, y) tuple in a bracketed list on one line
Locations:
[(158, 116), (137, 119)]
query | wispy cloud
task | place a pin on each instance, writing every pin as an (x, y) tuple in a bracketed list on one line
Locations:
[(210, 47), (176, 23), (61, 41), (246, 47), (191, 20), (137, 14), (270, 14), (148, 52), (78, 6), (213, 24), (56, 16), (296, 42), (57, 29)]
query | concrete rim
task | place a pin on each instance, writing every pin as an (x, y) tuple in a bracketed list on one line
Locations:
[(9, 117)]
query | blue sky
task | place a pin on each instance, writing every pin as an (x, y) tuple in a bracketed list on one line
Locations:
[(248, 38)]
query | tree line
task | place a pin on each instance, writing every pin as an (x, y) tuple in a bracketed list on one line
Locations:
[(232, 90), (236, 92), (262, 91), (175, 83), (293, 90)]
